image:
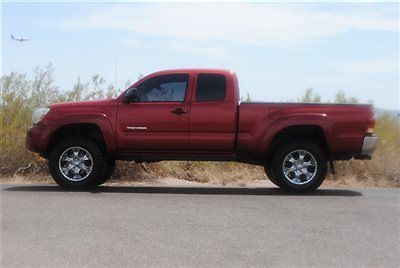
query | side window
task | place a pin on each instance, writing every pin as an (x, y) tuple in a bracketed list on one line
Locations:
[(166, 88), (210, 87)]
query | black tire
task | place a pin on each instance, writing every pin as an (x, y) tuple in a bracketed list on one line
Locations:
[(270, 175), (97, 163), (108, 172), (301, 183)]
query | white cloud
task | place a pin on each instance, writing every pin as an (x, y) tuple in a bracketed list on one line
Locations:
[(258, 24), (192, 48)]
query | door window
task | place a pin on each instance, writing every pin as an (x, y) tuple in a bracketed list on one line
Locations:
[(166, 88), (210, 87)]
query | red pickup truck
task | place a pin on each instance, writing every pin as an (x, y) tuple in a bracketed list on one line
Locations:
[(196, 114)]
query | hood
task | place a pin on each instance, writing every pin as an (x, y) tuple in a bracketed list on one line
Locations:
[(82, 104)]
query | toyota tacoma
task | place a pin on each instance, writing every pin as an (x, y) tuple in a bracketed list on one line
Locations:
[(196, 114)]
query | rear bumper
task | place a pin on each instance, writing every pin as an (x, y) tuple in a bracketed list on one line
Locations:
[(368, 147)]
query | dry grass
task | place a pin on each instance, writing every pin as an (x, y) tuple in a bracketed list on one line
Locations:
[(216, 173)]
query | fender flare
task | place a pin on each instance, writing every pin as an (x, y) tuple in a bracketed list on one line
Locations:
[(99, 119), (321, 121)]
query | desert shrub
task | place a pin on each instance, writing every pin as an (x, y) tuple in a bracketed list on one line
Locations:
[(20, 95)]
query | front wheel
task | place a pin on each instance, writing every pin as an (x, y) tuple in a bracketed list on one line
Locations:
[(108, 172), (77, 163), (299, 166)]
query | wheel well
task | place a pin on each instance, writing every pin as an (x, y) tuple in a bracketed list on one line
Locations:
[(307, 132), (87, 130)]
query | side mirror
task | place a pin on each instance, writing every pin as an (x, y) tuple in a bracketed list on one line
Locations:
[(131, 96)]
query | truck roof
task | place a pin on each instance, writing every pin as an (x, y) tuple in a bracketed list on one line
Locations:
[(194, 70)]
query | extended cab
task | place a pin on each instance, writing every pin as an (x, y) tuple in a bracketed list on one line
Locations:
[(195, 114)]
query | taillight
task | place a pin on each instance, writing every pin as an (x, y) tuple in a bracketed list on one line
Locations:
[(371, 125)]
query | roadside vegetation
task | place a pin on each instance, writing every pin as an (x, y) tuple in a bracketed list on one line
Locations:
[(21, 93)]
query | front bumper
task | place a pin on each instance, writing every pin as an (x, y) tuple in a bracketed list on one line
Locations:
[(37, 138), (368, 147)]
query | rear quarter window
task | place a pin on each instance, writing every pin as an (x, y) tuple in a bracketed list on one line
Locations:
[(211, 87)]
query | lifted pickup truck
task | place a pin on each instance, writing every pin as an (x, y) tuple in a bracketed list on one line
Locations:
[(195, 114)]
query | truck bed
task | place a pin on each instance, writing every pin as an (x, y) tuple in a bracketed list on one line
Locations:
[(345, 124)]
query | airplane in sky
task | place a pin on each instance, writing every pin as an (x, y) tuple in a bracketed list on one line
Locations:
[(19, 39)]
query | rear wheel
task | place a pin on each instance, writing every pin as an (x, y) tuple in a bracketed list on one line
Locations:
[(76, 163), (270, 175), (299, 166)]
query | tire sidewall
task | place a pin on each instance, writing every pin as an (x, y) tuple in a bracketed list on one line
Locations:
[(270, 174), (110, 165), (98, 163), (312, 149)]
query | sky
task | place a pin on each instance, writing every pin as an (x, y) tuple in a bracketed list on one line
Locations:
[(277, 50)]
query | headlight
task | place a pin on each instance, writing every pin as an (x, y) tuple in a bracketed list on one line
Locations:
[(38, 114)]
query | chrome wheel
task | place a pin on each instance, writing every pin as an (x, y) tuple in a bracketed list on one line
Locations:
[(299, 167), (75, 164)]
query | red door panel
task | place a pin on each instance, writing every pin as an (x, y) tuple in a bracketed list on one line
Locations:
[(212, 126), (213, 113), (152, 126), (158, 117)]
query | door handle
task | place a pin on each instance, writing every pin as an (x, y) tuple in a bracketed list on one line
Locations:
[(179, 111)]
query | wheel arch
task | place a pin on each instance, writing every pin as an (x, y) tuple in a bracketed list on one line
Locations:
[(91, 131), (309, 132)]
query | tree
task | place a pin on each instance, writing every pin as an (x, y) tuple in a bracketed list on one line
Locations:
[(310, 97), (247, 98), (340, 97)]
